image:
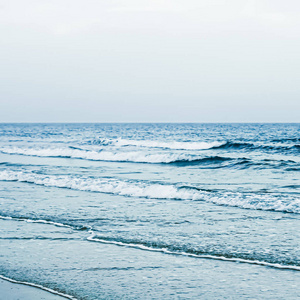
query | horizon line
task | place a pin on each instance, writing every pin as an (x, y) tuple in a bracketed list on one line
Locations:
[(117, 122)]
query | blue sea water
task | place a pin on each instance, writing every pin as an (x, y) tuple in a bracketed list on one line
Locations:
[(152, 211)]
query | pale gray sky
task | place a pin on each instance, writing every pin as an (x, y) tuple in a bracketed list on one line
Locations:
[(150, 61)]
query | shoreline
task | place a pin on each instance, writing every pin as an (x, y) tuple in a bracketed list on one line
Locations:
[(13, 289)]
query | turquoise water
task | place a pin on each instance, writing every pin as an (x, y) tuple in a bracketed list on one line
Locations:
[(131, 211)]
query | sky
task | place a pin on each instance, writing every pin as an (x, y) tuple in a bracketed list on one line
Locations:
[(150, 61)]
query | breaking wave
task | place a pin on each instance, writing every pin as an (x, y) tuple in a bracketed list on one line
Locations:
[(155, 190), (176, 159), (158, 144), (252, 146), (77, 153), (133, 156)]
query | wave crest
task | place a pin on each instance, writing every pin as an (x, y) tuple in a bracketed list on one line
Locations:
[(154, 190), (132, 156), (157, 144)]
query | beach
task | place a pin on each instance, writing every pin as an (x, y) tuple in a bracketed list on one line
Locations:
[(150, 211)]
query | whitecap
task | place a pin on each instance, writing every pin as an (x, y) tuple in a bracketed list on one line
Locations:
[(154, 190)]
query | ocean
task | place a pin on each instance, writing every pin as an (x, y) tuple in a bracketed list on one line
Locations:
[(152, 211)]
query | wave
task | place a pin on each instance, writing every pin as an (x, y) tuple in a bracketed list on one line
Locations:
[(253, 146), (204, 160), (176, 159), (197, 253), (135, 157), (186, 250), (157, 144), (294, 140), (155, 190), (77, 153)]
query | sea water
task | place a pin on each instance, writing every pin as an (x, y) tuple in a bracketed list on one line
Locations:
[(152, 211)]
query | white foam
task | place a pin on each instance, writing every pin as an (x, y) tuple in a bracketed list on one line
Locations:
[(203, 256), (168, 145), (103, 185), (6, 218), (143, 189), (35, 221), (133, 156), (48, 222)]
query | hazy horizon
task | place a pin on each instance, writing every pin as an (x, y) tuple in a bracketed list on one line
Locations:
[(150, 123), (150, 61)]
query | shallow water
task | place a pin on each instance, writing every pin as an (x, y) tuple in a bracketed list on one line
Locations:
[(136, 211)]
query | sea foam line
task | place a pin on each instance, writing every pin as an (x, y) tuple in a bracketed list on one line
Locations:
[(39, 287), (203, 256), (41, 221), (35, 221)]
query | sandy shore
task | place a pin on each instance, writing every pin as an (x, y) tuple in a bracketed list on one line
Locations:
[(15, 291)]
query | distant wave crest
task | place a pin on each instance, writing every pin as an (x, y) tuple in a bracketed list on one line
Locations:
[(132, 156), (169, 158), (158, 144)]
